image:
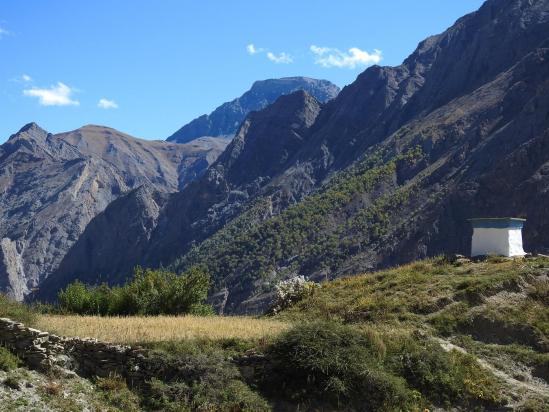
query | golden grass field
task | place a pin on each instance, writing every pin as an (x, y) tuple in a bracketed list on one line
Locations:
[(136, 329)]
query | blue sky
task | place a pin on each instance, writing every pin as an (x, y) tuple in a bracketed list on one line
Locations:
[(148, 67)]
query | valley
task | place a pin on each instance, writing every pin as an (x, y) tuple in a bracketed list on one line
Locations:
[(301, 247)]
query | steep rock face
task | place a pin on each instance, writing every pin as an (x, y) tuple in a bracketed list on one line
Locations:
[(409, 197), (51, 186), (125, 227), (263, 144), (471, 53), (225, 120)]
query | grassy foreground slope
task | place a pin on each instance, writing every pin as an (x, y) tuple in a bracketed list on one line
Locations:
[(496, 311), (435, 334)]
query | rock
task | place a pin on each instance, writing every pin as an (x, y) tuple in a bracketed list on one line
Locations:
[(457, 259)]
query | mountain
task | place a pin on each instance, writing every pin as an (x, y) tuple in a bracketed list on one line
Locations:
[(51, 186), (159, 230), (224, 120), (385, 173)]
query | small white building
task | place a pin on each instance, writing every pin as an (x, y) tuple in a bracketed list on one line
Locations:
[(497, 236)]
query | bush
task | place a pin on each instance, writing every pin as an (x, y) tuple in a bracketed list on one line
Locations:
[(116, 392), (445, 378), (14, 310), (75, 298), (13, 382), (199, 380), (337, 364), (290, 291), (150, 292), (8, 361)]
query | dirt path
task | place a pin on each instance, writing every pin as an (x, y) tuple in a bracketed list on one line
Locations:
[(532, 385)]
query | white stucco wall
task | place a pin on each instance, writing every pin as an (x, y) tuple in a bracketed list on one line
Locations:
[(515, 243), (491, 241)]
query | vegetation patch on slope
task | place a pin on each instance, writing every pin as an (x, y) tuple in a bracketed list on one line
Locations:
[(316, 234)]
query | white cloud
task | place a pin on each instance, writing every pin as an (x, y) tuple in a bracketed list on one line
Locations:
[(251, 49), (58, 95), (26, 78), (281, 58), (107, 104), (330, 57), (3, 32)]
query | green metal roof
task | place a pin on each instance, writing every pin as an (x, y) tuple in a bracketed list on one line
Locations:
[(497, 222)]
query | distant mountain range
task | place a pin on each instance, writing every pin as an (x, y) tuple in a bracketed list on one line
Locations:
[(51, 186), (225, 120), (386, 172)]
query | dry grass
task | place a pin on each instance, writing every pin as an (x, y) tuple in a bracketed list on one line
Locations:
[(137, 329)]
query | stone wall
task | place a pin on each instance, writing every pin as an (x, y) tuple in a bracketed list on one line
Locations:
[(89, 357), (86, 357)]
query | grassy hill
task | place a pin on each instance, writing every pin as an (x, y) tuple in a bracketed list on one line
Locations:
[(435, 334)]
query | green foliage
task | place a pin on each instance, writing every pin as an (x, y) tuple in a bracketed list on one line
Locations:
[(352, 211), (445, 378), (8, 361), (150, 292), (75, 298), (201, 379), (339, 364), (361, 369), (14, 310), (447, 321), (116, 393), (534, 405), (13, 381), (540, 292)]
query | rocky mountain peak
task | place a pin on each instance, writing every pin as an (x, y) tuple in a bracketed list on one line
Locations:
[(31, 131), (269, 139), (225, 120), (30, 127)]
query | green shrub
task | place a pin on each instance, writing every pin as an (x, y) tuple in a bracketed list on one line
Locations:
[(8, 361), (451, 318), (540, 291), (116, 392), (200, 381), (534, 405), (14, 310), (75, 298), (339, 364), (445, 378), (13, 382), (150, 292)]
